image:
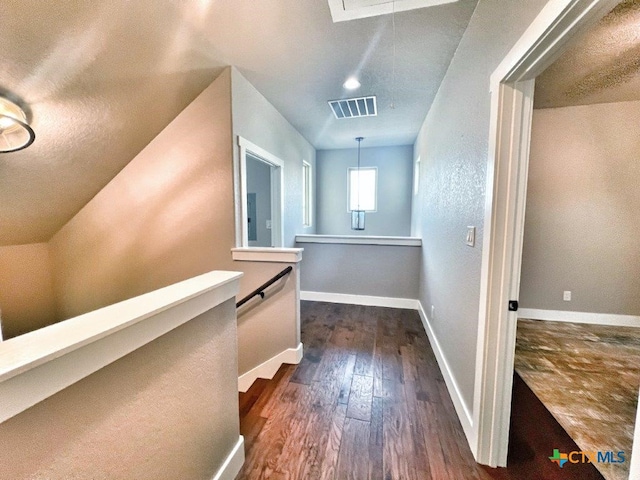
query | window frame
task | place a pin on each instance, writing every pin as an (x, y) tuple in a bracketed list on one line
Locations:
[(307, 194)]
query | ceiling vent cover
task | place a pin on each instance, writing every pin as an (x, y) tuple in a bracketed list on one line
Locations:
[(354, 107)]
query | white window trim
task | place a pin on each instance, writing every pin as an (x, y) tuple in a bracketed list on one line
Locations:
[(416, 176), (240, 189), (307, 195)]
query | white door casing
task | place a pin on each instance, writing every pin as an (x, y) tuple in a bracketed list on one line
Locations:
[(512, 87), (240, 192)]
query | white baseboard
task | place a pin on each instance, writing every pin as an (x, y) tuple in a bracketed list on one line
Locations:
[(233, 463), (269, 368), (580, 317), (360, 300), (466, 419)]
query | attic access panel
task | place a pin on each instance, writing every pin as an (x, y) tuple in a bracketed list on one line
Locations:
[(344, 10)]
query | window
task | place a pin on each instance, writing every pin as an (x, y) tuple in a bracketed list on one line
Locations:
[(364, 197), (306, 194), (416, 176)]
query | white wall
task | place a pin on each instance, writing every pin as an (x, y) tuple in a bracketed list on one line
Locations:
[(256, 120), (452, 144), (582, 221), (395, 176)]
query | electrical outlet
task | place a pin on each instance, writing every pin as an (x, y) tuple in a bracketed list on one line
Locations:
[(566, 296), (268, 224)]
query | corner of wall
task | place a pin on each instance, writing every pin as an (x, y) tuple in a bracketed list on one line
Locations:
[(154, 224)]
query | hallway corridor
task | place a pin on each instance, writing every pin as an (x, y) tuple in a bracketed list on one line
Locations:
[(368, 401)]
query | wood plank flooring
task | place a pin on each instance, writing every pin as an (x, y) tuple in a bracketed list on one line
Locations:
[(588, 377), (368, 401)]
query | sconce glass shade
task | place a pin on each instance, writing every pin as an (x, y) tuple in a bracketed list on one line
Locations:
[(15, 132), (357, 219)]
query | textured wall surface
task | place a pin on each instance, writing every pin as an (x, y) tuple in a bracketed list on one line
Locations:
[(166, 411), (452, 145), (27, 301), (395, 175), (378, 270), (166, 217), (270, 326), (582, 221), (256, 120)]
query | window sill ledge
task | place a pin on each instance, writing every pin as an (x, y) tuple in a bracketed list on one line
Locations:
[(265, 254), (361, 240)]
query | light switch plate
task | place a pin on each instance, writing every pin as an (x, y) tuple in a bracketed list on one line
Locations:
[(471, 236)]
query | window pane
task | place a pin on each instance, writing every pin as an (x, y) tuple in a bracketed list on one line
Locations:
[(362, 189)]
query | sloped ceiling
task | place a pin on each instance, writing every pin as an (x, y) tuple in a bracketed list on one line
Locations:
[(103, 78), (601, 66)]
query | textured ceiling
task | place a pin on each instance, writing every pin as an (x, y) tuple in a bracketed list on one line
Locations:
[(601, 66), (103, 78)]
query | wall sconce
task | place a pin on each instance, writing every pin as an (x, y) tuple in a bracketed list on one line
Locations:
[(15, 132)]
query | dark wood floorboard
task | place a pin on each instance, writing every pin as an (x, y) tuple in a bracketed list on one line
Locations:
[(368, 401)]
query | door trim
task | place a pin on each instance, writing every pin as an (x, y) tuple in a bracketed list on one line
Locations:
[(240, 190), (512, 86)]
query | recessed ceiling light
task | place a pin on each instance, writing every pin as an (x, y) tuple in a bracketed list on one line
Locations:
[(351, 83)]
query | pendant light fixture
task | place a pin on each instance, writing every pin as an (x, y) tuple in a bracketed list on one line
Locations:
[(357, 216), (15, 132)]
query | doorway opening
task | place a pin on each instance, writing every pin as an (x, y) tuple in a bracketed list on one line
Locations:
[(259, 186), (512, 87)]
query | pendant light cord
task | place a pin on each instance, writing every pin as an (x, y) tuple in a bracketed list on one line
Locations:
[(359, 139)]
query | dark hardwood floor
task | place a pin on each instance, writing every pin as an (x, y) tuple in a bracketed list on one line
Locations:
[(368, 401)]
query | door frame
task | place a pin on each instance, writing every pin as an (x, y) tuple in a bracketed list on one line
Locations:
[(240, 187), (512, 88)]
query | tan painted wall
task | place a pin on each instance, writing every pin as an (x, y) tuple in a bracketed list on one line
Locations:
[(582, 221), (166, 411), (166, 217), (26, 288), (159, 412), (266, 327)]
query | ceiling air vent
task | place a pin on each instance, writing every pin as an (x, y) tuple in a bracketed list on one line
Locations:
[(354, 107)]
